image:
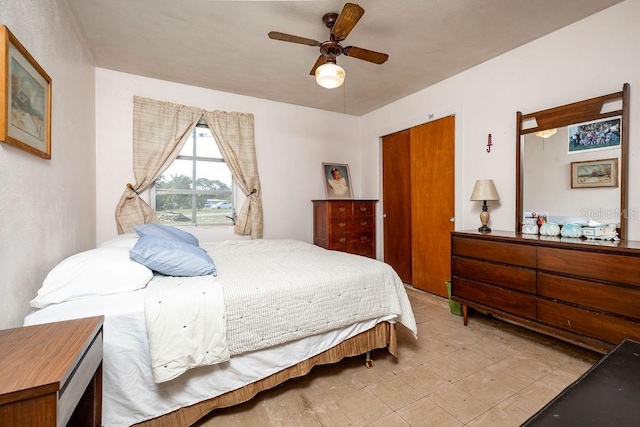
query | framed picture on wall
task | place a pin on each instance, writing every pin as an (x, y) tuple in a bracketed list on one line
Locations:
[(337, 181), (25, 115), (596, 135), (594, 173)]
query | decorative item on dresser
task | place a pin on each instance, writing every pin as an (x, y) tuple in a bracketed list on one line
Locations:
[(345, 225), (577, 291), (484, 190), (52, 374)]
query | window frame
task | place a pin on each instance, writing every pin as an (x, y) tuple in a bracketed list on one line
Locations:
[(194, 193)]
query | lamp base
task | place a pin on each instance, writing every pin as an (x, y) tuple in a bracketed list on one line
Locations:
[(484, 229)]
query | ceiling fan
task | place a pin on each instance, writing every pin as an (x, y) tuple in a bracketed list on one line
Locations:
[(328, 73)]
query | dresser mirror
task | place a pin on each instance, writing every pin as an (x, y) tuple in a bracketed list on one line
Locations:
[(571, 162)]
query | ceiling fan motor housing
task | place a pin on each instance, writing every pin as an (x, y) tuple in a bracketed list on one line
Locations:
[(329, 19), (331, 48)]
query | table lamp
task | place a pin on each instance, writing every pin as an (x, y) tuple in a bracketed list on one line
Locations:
[(484, 190)]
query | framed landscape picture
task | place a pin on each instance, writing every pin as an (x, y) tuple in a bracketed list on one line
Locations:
[(337, 181), (25, 107), (594, 173)]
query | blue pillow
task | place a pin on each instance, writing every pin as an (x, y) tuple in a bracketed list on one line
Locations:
[(171, 257), (166, 231)]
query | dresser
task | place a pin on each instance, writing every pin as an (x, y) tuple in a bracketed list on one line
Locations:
[(345, 225), (51, 374), (583, 291)]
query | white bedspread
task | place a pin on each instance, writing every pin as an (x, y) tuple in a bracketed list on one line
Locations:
[(275, 291), (185, 324)]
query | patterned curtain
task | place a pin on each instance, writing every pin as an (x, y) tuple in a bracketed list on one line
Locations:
[(160, 129), (234, 134)]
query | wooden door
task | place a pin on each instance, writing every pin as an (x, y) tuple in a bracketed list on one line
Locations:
[(432, 203), (396, 204)]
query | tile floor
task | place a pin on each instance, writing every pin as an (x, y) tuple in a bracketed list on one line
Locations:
[(489, 373)]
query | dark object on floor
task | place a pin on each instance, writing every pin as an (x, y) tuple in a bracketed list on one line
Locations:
[(608, 394)]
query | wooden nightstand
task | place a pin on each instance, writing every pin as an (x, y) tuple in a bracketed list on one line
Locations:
[(51, 374)]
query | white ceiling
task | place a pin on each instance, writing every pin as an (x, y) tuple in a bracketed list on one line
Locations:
[(223, 45)]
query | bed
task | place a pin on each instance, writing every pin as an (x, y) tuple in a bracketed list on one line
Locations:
[(285, 307)]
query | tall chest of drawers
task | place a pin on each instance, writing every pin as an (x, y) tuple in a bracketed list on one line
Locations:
[(585, 292), (345, 225)]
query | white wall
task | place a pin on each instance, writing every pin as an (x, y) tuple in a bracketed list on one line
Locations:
[(47, 207), (291, 144), (593, 57)]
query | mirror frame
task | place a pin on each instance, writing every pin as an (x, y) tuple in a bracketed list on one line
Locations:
[(565, 115)]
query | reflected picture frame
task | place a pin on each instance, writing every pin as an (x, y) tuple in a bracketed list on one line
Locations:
[(594, 173), (601, 134), (337, 181), (25, 93)]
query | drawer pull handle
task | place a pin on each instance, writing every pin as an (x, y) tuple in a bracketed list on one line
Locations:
[(363, 238), (364, 223), (342, 239), (342, 224), (363, 208), (342, 209)]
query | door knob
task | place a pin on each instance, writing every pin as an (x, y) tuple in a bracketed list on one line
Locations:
[(452, 219), (384, 215)]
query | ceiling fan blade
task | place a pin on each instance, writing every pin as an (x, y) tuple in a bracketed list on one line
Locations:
[(293, 39), (321, 60), (365, 54), (349, 17)]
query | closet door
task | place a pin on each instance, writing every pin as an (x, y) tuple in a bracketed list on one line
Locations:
[(432, 203), (396, 206)]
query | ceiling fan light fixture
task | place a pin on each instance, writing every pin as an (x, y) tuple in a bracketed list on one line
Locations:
[(330, 75), (546, 133)]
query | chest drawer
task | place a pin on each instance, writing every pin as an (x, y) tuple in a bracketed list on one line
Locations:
[(340, 209), (351, 225), (350, 239), (364, 209), (506, 253)]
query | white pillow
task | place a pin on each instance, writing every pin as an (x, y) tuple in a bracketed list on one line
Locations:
[(128, 241), (100, 271)]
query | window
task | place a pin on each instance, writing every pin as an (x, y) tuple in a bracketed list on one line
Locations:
[(197, 187)]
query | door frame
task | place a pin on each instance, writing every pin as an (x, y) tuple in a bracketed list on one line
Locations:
[(410, 122)]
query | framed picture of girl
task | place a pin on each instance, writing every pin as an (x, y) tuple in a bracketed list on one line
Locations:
[(337, 181)]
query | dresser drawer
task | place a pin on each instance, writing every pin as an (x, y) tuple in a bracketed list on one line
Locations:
[(591, 265), (492, 296), (506, 253), (600, 296), (604, 327), (505, 276)]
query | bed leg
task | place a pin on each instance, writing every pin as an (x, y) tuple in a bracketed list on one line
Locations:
[(367, 361)]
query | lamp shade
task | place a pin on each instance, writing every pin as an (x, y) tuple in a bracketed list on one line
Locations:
[(330, 75), (484, 189)]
